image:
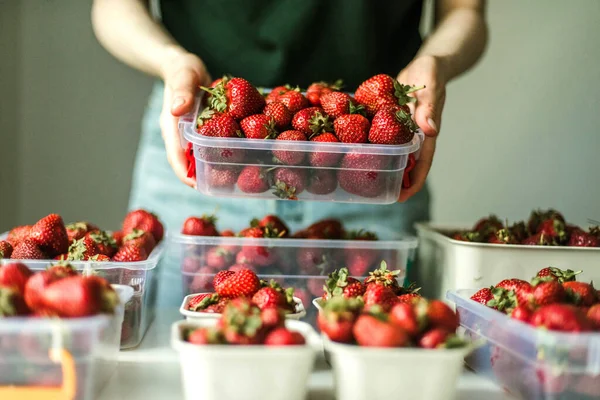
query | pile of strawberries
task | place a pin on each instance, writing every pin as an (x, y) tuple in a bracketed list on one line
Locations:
[(553, 300), (243, 283), (544, 228), (58, 291), (244, 323), (378, 114), (50, 238)]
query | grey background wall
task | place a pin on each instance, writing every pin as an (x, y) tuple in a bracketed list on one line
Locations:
[(519, 131)]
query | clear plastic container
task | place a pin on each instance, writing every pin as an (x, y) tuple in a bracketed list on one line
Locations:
[(299, 263), (142, 276), (463, 265), (27, 361), (215, 372), (529, 363), (339, 172)]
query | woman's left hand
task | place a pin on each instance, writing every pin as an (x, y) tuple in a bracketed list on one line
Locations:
[(425, 70)]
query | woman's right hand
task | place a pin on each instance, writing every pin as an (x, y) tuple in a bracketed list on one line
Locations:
[(183, 73)]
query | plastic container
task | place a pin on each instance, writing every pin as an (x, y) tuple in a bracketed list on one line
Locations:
[(529, 363), (194, 315), (91, 343), (385, 373), (142, 276), (299, 263), (252, 372), (447, 264), (349, 173)]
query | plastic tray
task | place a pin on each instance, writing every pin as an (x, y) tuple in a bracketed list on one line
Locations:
[(383, 373), (530, 363), (142, 276), (92, 342), (380, 167), (253, 372), (447, 264), (194, 315)]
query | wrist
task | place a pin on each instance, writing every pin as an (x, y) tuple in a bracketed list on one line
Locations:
[(175, 57)]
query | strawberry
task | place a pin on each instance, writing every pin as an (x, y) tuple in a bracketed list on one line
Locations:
[(80, 296), (336, 104), (241, 283), (434, 338), (256, 255), (253, 179), (273, 296), (27, 249), (436, 314), (553, 228), (392, 125), (236, 96), (272, 317), (6, 249), (220, 155), (352, 128), (315, 261), (381, 90), (200, 226), (97, 257), (466, 236), (144, 220), (522, 313), (539, 239), (320, 158), (593, 316), (118, 238), (326, 229), (538, 216), (321, 181), (77, 230), (503, 236), (317, 90), (83, 249), (284, 337), (15, 275), (560, 317), (384, 277), (379, 295), (580, 238), (218, 258), (274, 224), (241, 322), (483, 296), (581, 293), (138, 238), (372, 331), (408, 298), (130, 253), (403, 315), (221, 276), (311, 121), (277, 91), (50, 235), (516, 285), (363, 175), (286, 156), (547, 292), (337, 318), (340, 283), (490, 223), (217, 308), (289, 182), (38, 283), (214, 124), (201, 301), (221, 177), (12, 303), (280, 114), (227, 233), (18, 234), (259, 126), (557, 274), (294, 100), (206, 335), (190, 160), (106, 245)]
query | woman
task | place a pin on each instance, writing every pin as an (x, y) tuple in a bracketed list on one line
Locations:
[(270, 42)]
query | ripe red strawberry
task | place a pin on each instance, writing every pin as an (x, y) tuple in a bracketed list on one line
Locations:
[(316, 261), (236, 96), (311, 121), (15, 275), (538, 216), (483, 296), (241, 283), (320, 158), (326, 229), (522, 313), (274, 224), (286, 156), (130, 253), (490, 223), (253, 179), (392, 125), (269, 297), (560, 317), (50, 235), (408, 298), (553, 228), (106, 245), (539, 239), (190, 160), (272, 317), (581, 293), (371, 331), (221, 276), (227, 233), (289, 182), (27, 249), (218, 258), (206, 335), (83, 249), (465, 236), (548, 292), (403, 315), (138, 238), (363, 175), (144, 220), (241, 321), (340, 283), (557, 274), (202, 301), (321, 181), (522, 289), (80, 296), (284, 337), (593, 316), (336, 104), (384, 277), (436, 314), (18, 234), (97, 257), (259, 256), (200, 226), (77, 230), (580, 238), (381, 90), (380, 295), (118, 238), (294, 100), (221, 177), (359, 261), (12, 303), (277, 91), (352, 128), (38, 283), (434, 338), (6, 249), (279, 113), (258, 126), (337, 318), (215, 124), (317, 90)]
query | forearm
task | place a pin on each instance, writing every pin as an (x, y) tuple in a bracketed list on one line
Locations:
[(458, 40), (126, 29)]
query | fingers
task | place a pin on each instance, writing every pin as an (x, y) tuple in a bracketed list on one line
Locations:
[(421, 170), (428, 109), (183, 85)]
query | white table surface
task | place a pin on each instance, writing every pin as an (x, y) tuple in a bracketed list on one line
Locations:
[(151, 372)]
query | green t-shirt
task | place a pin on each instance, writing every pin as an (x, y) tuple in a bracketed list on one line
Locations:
[(271, 42)]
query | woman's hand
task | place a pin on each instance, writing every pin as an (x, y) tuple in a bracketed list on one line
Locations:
[(425, 70), (183, 73)]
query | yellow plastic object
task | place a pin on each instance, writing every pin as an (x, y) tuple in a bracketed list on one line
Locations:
[(64, 392)]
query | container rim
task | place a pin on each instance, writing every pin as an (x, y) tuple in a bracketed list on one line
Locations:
[(300, 310)]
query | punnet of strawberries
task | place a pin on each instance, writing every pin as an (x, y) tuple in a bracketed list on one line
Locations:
[(243, 323), (552, 300), (543, 228), (50, 238)]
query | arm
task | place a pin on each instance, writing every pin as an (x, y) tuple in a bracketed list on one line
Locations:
[(126, 29), (454, 46)]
